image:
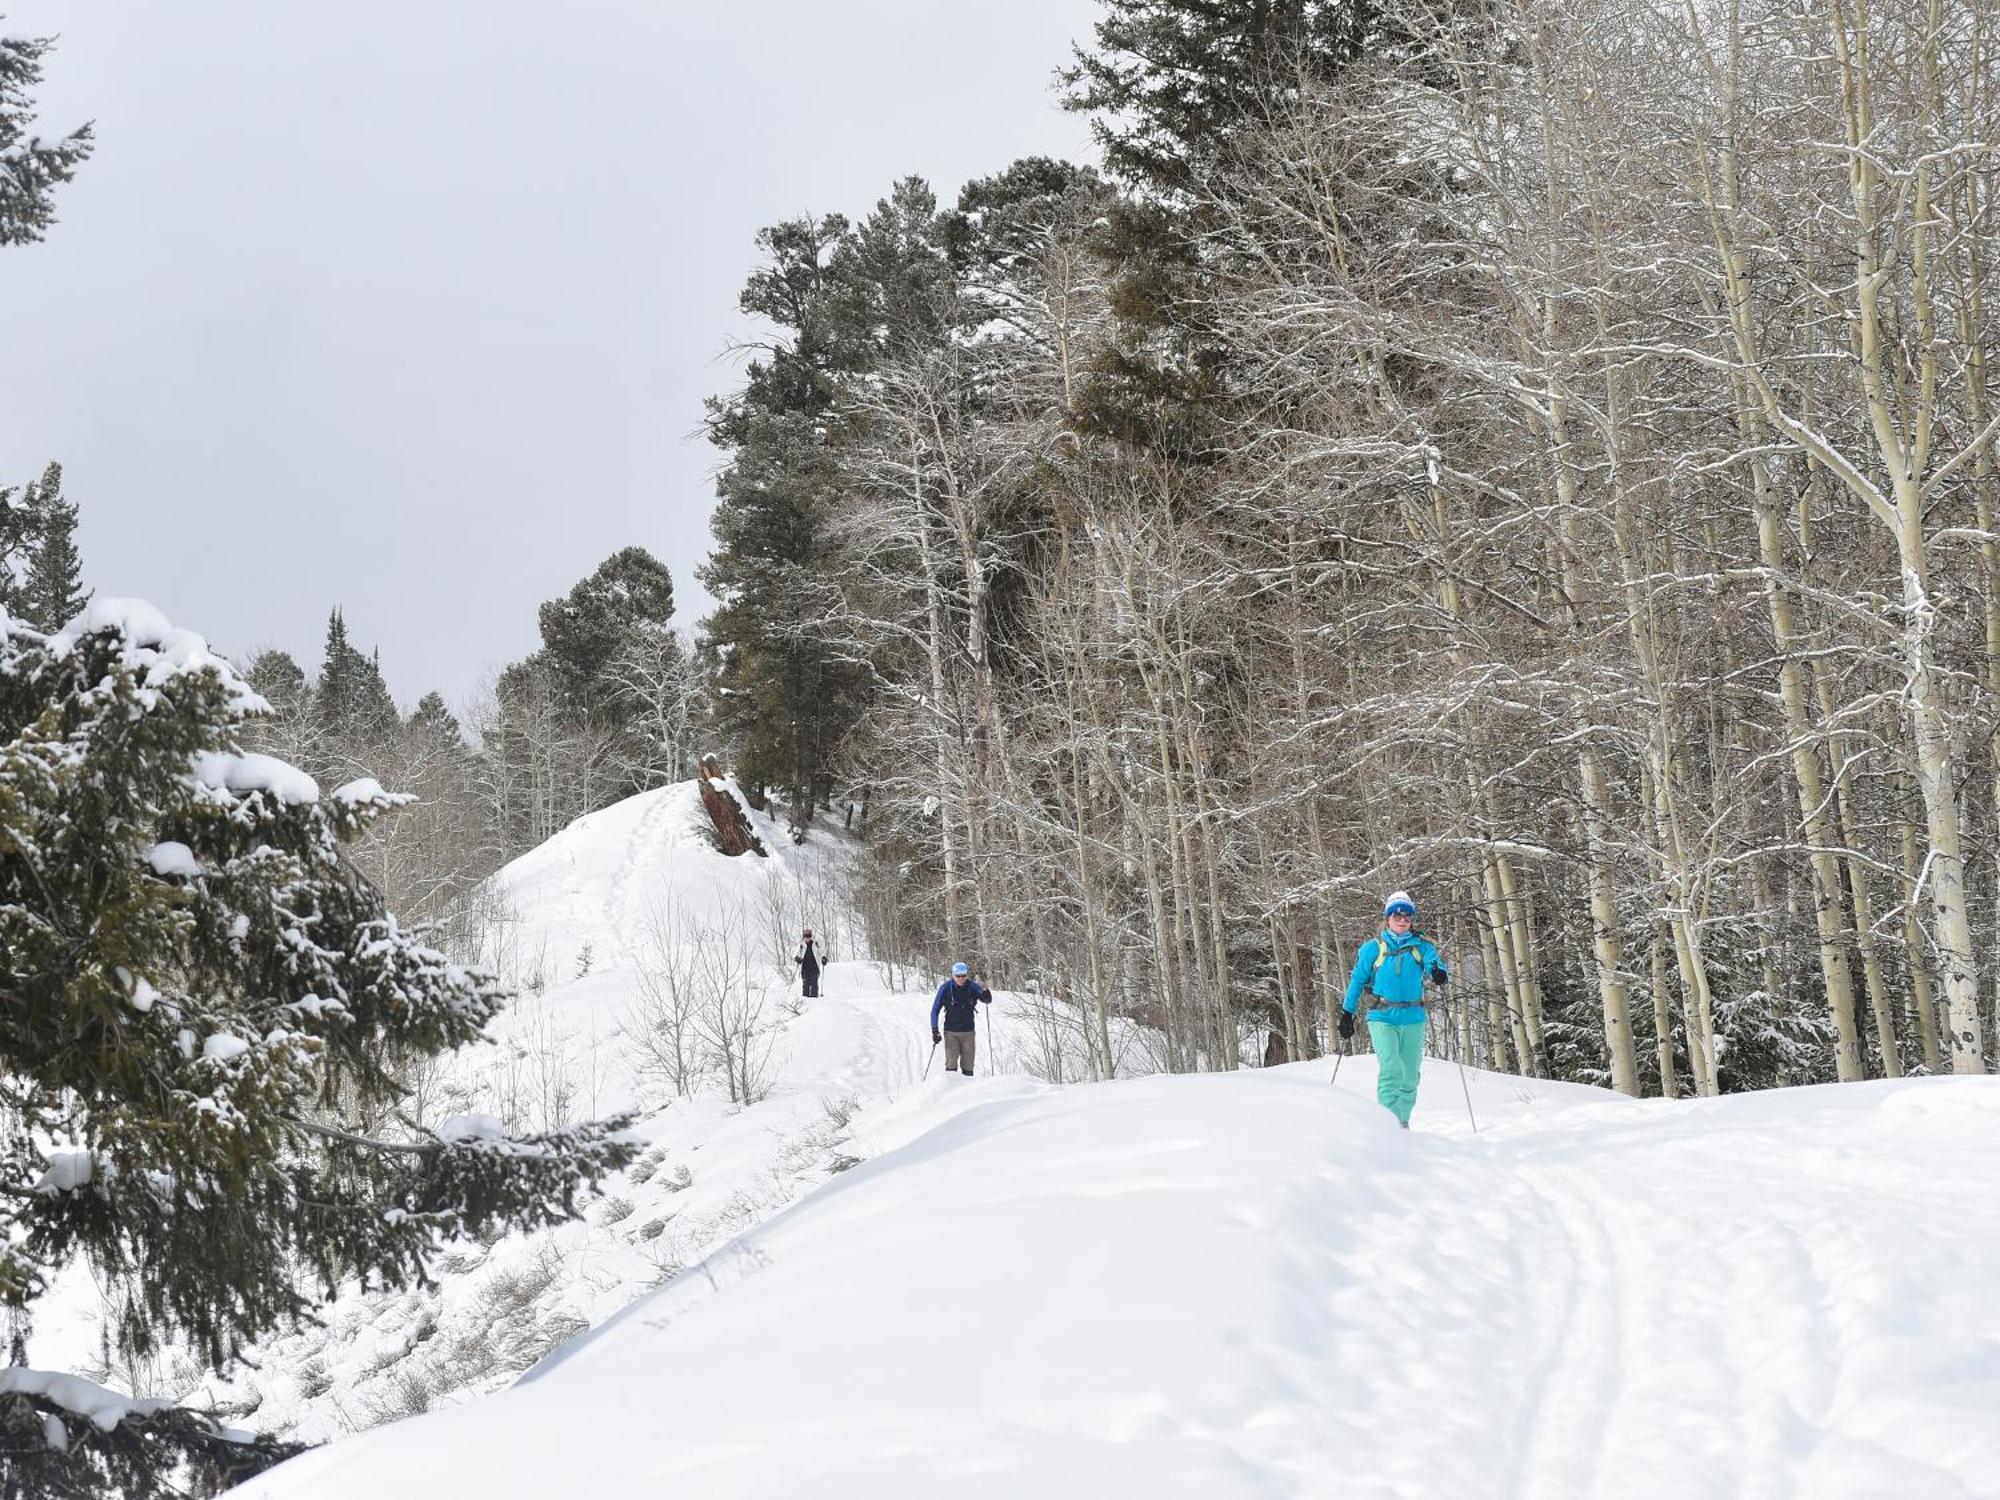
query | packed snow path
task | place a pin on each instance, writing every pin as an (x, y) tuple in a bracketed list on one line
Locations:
[(1254, 1285)]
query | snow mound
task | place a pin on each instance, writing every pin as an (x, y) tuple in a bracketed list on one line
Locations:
[(1252, 1285), (586, 897)]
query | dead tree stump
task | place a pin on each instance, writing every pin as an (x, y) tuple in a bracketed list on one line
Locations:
[(732, 826)]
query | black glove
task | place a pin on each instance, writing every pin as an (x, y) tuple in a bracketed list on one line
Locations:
[(936, 1037), (1346, 1025), (1439, 976)]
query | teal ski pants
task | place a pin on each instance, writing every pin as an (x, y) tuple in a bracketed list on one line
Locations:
[(1399, 1053)]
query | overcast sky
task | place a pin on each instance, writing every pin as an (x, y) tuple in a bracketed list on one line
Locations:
[(410, 307)]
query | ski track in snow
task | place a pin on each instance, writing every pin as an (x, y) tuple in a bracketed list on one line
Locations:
[(648, 860), (1562, 1422)]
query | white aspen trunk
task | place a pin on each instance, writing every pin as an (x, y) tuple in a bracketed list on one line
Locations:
[(985, 715), (1605, 945), (1332, 975), (1903, 447), (1663, 1014), (1103, 1065), (1526, 1054), (1204, 835), (934, 659), (1922, 1000), (1166, 952), (1498, 1000), (1857, 880), (1834, 970)]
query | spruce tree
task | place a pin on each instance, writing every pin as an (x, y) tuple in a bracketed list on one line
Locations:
[(584, 631), (52, 594), (351, 703), (1170, 81), (31, 166), (433, 726), (203, 1003), (280, 681), (787, 698)]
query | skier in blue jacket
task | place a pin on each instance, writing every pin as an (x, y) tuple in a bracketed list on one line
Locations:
[(956, 997), (1391, 970)]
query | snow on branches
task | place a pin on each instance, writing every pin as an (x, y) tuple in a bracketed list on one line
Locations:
[(204, 1005)]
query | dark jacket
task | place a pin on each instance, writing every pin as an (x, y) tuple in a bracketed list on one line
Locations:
[(956, 1001), (807, 958)]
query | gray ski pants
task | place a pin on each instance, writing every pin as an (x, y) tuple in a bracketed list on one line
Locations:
[(958, 1050)]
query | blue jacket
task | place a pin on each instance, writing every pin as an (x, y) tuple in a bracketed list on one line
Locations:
[(1398, 983), (956, 1002)]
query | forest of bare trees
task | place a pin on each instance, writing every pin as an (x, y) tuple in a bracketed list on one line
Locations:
[(1543, 459)]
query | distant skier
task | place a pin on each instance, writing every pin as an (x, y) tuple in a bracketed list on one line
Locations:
[(956, 997), (1392, 968), (807, 958)]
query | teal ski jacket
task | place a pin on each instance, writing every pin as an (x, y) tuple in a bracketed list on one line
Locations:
[(1397, 982)]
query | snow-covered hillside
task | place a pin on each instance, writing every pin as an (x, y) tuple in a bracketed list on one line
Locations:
[(1253, 1285), (583, 925)]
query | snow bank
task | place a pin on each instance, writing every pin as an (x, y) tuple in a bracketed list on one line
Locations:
[(1254, 1286)]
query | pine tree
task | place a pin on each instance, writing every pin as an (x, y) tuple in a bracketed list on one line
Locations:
[(279, 681), (351, 702), (31, 168), (52, 594), (432, 725), (584, 631), (203, 1001), (786, 697), (1171, 81)]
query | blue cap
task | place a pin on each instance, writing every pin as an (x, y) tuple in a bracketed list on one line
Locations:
[(959, 970), (1399, 905)]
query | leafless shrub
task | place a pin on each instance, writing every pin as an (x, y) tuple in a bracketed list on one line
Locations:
[(407, 1393), (729, 1017), (313, 1379), (659, 1029)]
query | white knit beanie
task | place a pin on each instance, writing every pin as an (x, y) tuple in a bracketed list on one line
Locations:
[(1398, 898)]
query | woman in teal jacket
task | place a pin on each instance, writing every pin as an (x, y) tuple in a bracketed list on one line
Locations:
[(1391, 969)]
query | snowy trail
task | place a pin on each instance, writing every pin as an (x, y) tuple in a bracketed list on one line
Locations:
[(1253, 1286), (1234, 1287)]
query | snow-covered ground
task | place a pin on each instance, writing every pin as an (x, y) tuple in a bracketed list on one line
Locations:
[(1253, 1285), (869, 1282)]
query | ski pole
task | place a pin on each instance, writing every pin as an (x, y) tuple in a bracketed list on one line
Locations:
[(1338, 1058), (1465, 1086), (928, 1061)]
